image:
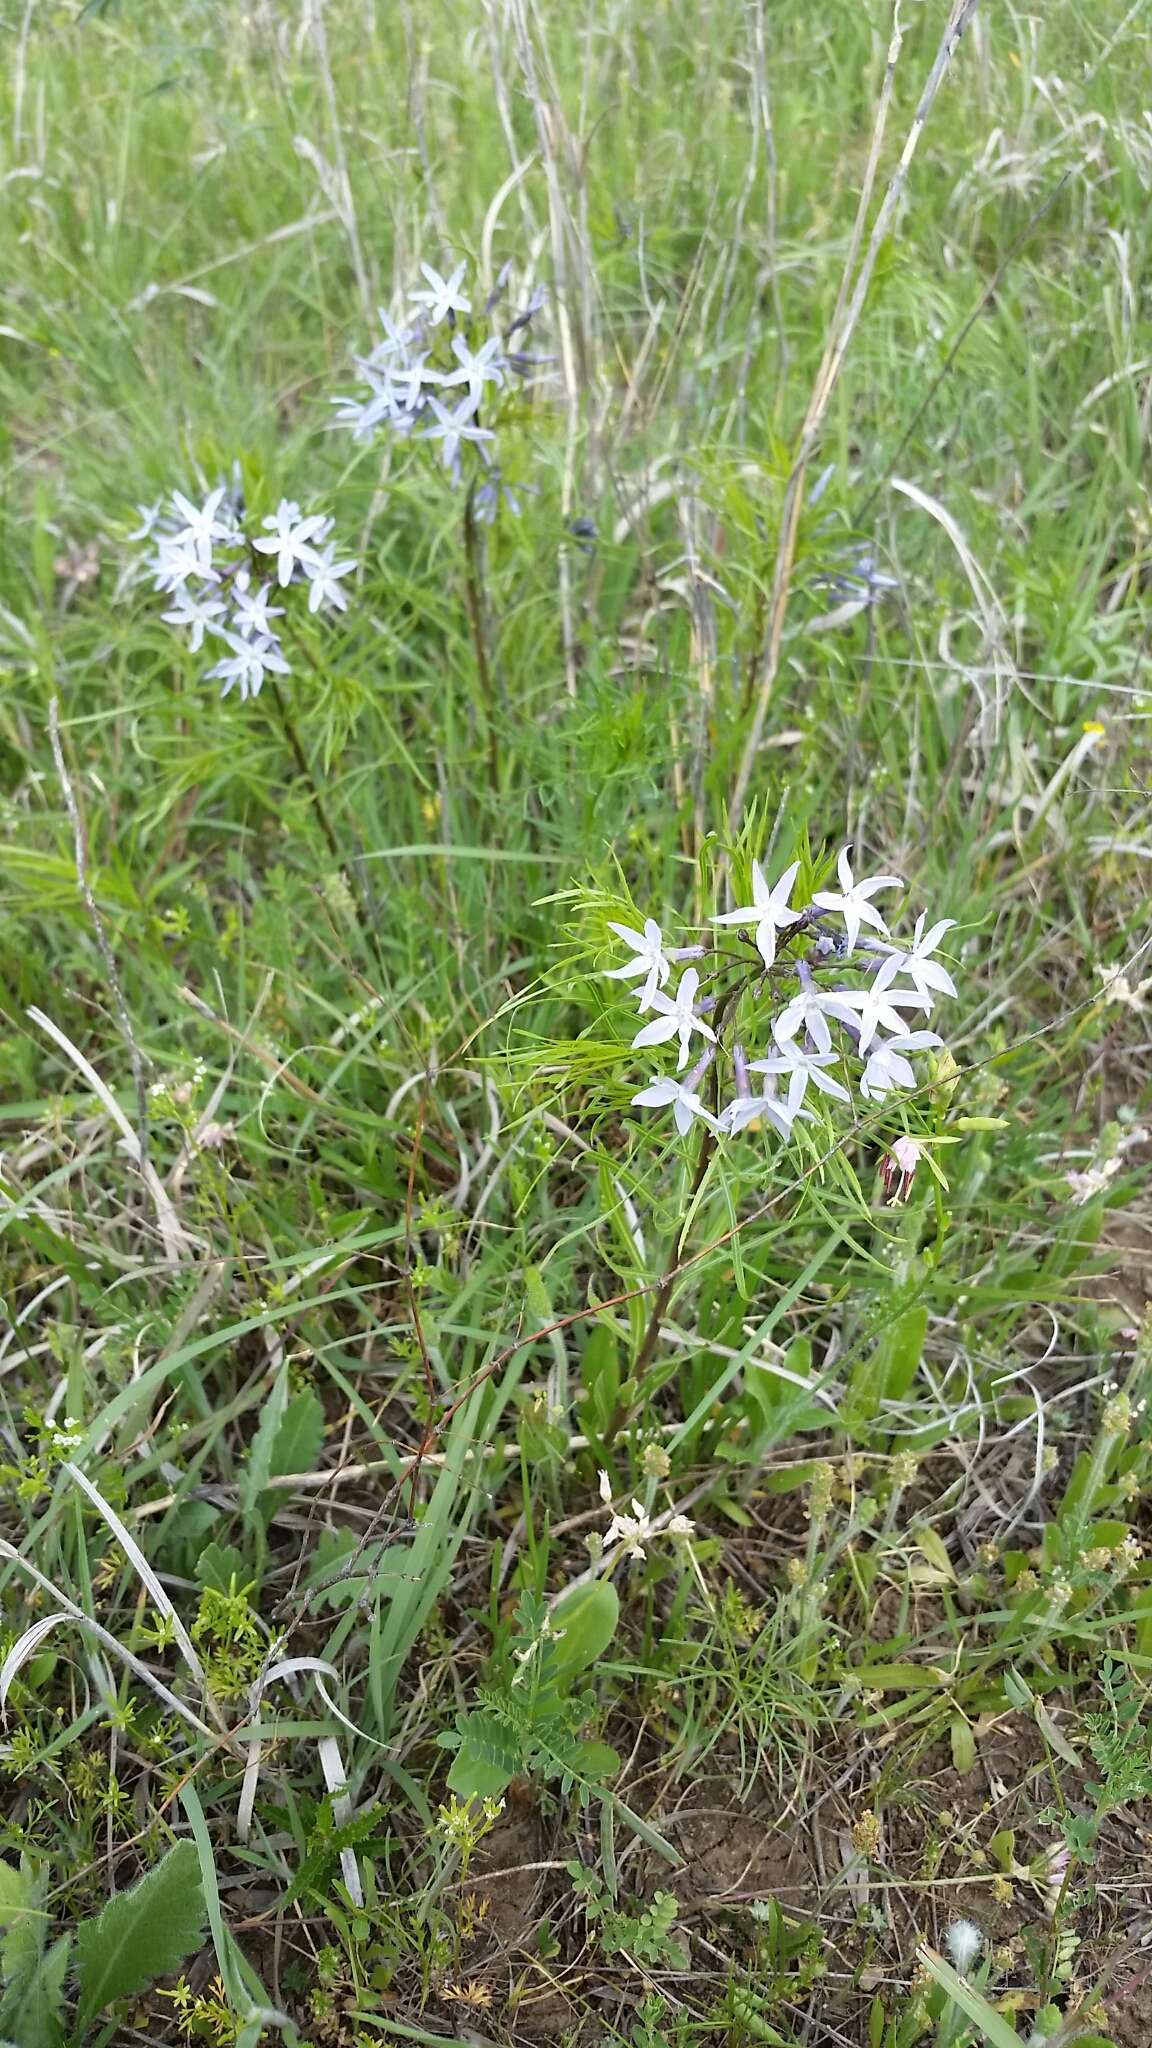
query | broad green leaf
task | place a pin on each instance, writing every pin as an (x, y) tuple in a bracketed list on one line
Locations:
[(259, 1469), (585, 1622), (13, 1892), (899, 1677), (963, 1744), (598, 1759), (219, 1564), (299, 1437), (34, 1989), (143, 1933)]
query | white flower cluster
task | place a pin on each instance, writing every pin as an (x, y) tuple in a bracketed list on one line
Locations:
[(633, 1532), (869, 1015), (432, 373), (211, 566)]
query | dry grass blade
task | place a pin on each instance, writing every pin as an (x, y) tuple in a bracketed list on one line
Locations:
[(845, 319)]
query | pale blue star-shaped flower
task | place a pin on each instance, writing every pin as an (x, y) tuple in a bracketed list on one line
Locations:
[(853, 900), (453, 429), (800, 1067), (650, 960), (888, 1066), (201, 611), (204, 524), (288, 535), (323, 572), (248, 664), (667, 1093), (769, 911), (443, 296), (926, 974), (677, 1018)]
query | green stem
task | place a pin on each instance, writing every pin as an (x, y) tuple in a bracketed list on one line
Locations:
[(474, 589)]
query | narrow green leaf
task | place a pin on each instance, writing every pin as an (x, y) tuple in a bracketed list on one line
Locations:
[(992, 2024), (142, 1934)]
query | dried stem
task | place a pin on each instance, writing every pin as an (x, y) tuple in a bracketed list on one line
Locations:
[(845, 319), (80, 855)]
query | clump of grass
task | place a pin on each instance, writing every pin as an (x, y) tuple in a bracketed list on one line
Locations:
[(469, 1562)]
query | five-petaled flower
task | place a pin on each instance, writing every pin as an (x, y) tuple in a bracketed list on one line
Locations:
[(769, 911), (288, 536), (677, 1017), (927, 976), (665, 1092), (889, 1067), (443, 296), (650, 960), (801, 1067), (852, 901)]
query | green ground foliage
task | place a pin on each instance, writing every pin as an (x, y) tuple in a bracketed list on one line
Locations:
[(336, 1263)]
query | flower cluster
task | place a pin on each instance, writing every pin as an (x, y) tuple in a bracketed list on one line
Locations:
[(843, 990), (221, 576), (442, 363), (636, 1530)]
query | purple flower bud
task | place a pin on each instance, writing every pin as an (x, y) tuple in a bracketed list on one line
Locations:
[(693, 1080), (740, 1071)]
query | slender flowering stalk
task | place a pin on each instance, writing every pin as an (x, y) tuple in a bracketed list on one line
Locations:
[(829, 1004), (838, 1004), (444, 362)]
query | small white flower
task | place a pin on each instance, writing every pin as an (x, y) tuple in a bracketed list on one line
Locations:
[(802, 1067), (323, 572), (453, 428), (363, 415), (633, 1531), (200, 612), (747, 1109), (1119, 989), (888, 1067), (677, 1018), (287, 536), (149, 514), (204, 523), (963, 1941), (898, 1168), (769, 910), (252, 611), (651, 960), (248, 664), (175, 563), (443, 295), (478, 367), (681, 1526), (809, 1010), (664, 1093), (1092, 1181), (396, 338), (605, 1487), (922, 971), (875, 1009), (852, 899)]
